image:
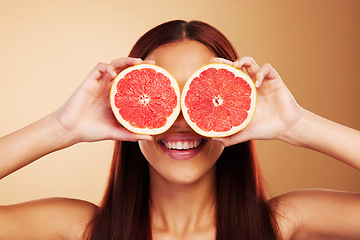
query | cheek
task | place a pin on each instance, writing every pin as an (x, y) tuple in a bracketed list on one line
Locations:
[(149, 150), (213, 150)]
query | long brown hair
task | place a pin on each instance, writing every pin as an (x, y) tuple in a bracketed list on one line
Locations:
[(242, 208)]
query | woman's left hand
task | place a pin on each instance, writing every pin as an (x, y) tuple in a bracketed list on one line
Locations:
[(276, 109)]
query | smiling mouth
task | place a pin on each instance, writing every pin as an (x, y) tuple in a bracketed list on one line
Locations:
[(182, 145)]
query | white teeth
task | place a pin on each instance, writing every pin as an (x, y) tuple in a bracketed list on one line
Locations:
[(182, 145), (179, 145)]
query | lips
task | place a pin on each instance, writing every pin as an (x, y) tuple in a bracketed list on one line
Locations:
[(182, 146)]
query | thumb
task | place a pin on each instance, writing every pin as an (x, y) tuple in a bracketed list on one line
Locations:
[(239, 137), (123, 134)]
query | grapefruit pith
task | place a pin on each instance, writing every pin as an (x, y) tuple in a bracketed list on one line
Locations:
[(218, 100), (145, 99)]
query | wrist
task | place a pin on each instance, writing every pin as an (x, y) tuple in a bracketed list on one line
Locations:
[(59, 137), (325, 136), (28, 144), (298, 132)]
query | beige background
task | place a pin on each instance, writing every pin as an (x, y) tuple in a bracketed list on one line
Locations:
[(48, 47)]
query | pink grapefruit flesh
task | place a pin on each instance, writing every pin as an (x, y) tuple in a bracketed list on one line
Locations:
[(218, 100), (145, 99)]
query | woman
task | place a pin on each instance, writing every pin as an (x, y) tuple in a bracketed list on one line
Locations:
[(215, 193)]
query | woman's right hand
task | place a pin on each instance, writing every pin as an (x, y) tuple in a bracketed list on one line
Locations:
[(276, 112), (87, 115)]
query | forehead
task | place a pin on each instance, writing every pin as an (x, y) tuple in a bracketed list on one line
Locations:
[(181, 59)]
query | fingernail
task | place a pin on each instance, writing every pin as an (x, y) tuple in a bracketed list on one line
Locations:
[(257, 84)]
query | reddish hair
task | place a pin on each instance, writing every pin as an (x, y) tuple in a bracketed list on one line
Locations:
[(242, 208)]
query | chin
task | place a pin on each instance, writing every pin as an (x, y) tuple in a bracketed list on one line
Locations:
[(182, 176), (181, 158)]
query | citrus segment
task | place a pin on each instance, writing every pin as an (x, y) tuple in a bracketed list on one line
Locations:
[(145, 99), (218, 100)]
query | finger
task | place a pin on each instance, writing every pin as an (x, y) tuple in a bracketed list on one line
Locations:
[(140, 137), (111, 71), (221, 60), (101, 69), (242, 136), (249, 64), (149, 61), (123, 134), (231, 140), (265, 72), (122, 63), (221, 140)]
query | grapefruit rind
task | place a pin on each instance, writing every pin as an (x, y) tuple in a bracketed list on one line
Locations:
[(147, 131), (234, 129)]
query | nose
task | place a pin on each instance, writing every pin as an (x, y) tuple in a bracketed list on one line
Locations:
[(180, 123)]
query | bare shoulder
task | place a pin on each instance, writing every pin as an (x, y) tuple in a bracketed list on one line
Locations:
[(318, 214), (52, 218)]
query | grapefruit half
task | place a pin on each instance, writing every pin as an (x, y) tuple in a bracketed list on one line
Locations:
[(218, 100), (145, 99)]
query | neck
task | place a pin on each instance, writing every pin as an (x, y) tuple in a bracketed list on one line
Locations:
[(181, 209)]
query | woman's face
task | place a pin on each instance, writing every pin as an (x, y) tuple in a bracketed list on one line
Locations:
[(180, 155)]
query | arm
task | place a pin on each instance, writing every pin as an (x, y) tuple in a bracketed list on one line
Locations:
[(278, 116), (85, 117), (318, 214), (325, 136), (53, 218), (30, 143), (308, 214)]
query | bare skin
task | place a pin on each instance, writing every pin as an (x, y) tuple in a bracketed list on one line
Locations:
[(183, 197)]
